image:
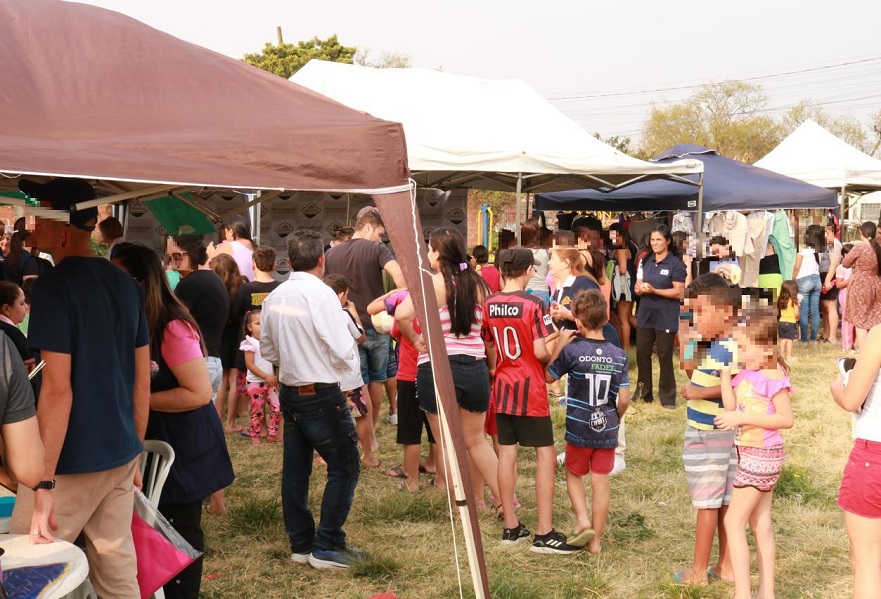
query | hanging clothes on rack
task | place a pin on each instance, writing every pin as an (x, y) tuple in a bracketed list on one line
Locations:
[(682, 221), (784, 243)]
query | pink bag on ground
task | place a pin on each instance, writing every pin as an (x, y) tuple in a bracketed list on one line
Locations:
[(162, 553)]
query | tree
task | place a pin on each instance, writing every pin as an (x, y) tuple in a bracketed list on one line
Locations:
[(723, 116), (286, 59), (876, 131), (387, 60), (845, 127), (619, 142)]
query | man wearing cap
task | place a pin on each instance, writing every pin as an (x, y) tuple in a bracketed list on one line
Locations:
[(88, 322), (362, 259)]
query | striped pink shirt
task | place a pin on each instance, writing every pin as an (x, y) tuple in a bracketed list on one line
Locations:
[(470, 345)]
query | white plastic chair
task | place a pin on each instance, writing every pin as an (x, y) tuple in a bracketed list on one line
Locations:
[(160, 456)]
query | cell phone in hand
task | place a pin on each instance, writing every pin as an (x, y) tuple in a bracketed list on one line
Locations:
[(845, 365)]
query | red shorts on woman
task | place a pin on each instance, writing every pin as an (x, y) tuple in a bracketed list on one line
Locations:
[(860, 491)]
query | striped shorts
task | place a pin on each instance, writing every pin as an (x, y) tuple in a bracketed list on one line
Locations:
[(710, 465), (759, 467)]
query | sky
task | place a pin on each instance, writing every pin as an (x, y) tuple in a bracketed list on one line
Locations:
[(601, 63)]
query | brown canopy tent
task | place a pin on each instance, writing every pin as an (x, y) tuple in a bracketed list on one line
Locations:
[(94, 94)]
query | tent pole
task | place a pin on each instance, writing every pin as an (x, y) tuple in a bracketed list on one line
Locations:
[(256, 217), (519, 216), (699, 221)]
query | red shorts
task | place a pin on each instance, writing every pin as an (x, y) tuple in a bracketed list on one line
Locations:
[(581, 461), (860, 491), (489, 425)]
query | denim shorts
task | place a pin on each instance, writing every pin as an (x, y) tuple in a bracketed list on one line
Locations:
[(470, 378), (374, 357)]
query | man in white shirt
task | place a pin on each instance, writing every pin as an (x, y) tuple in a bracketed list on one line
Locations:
[(312, 348)]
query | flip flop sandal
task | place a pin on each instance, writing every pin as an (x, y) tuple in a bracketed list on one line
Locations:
[(582, 538), (678, 574), (424, 470), (396, 472)]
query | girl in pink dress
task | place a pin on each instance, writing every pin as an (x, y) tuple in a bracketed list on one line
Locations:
[(757, 403)]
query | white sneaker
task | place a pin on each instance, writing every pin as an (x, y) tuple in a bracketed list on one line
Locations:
[(300, 558), (561, 458), (393, 419), (619, 466)]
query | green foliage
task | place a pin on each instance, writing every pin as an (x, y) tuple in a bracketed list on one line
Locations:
[(844, 126), (376, 568), (286, 59), (796, 482), (723, 116), (386, 60), (98, 248), (619, 142)]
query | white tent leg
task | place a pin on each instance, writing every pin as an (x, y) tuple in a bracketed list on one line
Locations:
[(519, 216)]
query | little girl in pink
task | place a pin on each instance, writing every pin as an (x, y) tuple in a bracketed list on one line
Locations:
[(262, 383)]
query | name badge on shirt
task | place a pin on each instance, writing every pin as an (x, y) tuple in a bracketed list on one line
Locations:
[(665, 272)]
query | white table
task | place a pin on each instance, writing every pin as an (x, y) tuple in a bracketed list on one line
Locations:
[(20, 552)]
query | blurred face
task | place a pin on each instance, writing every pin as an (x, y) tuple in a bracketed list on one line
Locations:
[(558, 267), (613, 238), (658, 243), (5, 241), (176, 258), (344, 298), (830, 235), (47, 234), (755, 354), (710, 321), (16, 310)]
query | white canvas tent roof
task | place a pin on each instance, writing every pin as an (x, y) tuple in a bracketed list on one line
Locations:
[(468, 132), (813, 154)]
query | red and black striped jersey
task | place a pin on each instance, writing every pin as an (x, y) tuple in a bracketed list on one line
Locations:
[(513, 321)]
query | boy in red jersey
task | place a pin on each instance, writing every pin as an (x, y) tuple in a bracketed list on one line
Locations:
[(517, 328)]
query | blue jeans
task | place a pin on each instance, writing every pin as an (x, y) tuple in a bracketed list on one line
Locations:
[(809, 287), (322, 422), (374, 357)]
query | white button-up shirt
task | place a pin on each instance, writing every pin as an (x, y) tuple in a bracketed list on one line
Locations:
[(304, 332)]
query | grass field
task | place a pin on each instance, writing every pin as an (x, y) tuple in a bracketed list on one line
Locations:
[(650, 533)]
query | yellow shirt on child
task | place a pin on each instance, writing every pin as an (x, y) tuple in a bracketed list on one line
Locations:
[(789, 313)]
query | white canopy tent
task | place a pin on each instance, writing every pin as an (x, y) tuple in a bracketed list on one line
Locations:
[(813, 154), (468, 132)]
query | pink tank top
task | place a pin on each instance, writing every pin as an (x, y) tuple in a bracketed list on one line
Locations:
[(244, 258)]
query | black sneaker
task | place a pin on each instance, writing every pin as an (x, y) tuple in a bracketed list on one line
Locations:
[(553, 542), (512, 536)]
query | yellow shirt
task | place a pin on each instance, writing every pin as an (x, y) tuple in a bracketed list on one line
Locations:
[(789, 313)]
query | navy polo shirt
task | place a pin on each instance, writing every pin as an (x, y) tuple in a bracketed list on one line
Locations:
[(566, 294), (656, 312)]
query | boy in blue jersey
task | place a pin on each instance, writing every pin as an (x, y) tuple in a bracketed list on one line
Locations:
[(706, 347), (598, 396)]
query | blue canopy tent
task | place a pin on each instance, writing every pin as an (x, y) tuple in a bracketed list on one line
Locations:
[(728, 185)]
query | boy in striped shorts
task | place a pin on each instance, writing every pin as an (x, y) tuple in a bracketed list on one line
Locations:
[(706, 346)]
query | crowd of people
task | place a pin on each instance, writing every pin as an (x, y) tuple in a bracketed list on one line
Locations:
[(179, 349)]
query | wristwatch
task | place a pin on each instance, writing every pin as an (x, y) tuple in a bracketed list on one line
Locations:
[(48, 485)]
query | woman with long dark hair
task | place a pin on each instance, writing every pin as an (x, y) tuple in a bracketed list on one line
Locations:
[(231, 383), (660, 282), (863, 307), (235, 241), (181, 413), (460, 292), (623, 251)]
